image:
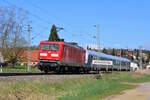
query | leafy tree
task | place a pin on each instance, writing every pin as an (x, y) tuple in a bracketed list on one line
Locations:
[(53, 34), (138, 54), (113, 52), (132, 58), (105, 50), (148, 58), (122, 52)]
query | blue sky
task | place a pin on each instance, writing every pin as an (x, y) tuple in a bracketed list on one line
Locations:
[(123, 23)]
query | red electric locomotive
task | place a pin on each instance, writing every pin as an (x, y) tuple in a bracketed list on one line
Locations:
[(60, 56)]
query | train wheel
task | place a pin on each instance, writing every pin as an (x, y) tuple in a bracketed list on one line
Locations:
[(58, 70), (77, 70), (85, 71), (106, 69), (45, 71)]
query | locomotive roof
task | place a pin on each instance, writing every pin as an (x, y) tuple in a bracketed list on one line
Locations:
[(74, 44), (103, 55), (68, 43), (51, 42)]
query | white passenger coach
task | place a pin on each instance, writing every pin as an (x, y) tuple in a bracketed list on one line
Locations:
[(101, 61)]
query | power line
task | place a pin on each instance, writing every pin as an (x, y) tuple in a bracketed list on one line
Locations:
[(43, 20), (47, 12), (32, 38), (35, 16)]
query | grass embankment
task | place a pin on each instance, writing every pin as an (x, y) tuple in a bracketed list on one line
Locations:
[(18, 69), (78, 89)]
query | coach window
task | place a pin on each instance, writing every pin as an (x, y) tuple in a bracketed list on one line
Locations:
[(94, 57), (117, 62), (90, 57), (101, 58)]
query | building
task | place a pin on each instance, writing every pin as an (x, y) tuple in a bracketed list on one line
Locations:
[(33, 57)]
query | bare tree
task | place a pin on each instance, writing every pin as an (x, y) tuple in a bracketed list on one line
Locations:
[(12, 26)]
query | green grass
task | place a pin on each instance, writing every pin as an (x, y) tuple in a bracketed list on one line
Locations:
[(77, 89), (18, 69), (93, 89)]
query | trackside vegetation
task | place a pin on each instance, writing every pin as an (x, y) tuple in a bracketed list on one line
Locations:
[(19, 69), (92, 88)]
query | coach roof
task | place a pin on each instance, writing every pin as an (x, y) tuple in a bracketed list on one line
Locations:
[(103, 55)]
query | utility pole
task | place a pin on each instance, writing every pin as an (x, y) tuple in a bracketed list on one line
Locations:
[(120, 57), (98, 37), (29, 40), (141, 56)]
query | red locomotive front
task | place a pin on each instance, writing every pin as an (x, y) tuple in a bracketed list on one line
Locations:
[(50, 51), (58, 56)]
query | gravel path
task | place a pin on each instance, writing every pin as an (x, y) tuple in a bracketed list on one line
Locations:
[(140, 93), (49, 78)]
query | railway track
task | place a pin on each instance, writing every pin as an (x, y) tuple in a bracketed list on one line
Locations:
[(50, 77), (50, 73), (23, 74), (40, 74)]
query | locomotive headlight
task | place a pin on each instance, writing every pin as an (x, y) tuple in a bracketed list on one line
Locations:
[(54, 55), (43, 54)]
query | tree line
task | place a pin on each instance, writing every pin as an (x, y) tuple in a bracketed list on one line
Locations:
[(135, 54)]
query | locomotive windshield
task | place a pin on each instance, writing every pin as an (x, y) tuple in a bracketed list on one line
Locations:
[(50, 47)]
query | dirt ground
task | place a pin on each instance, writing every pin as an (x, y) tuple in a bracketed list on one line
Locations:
[(142, 92)]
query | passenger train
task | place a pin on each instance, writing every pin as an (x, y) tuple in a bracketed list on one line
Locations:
[(66, 57), (101, 61)]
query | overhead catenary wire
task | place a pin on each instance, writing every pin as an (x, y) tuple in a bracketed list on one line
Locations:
[(57, 18), (47, 12), (67, 25), (46, 21), (35, 16)]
